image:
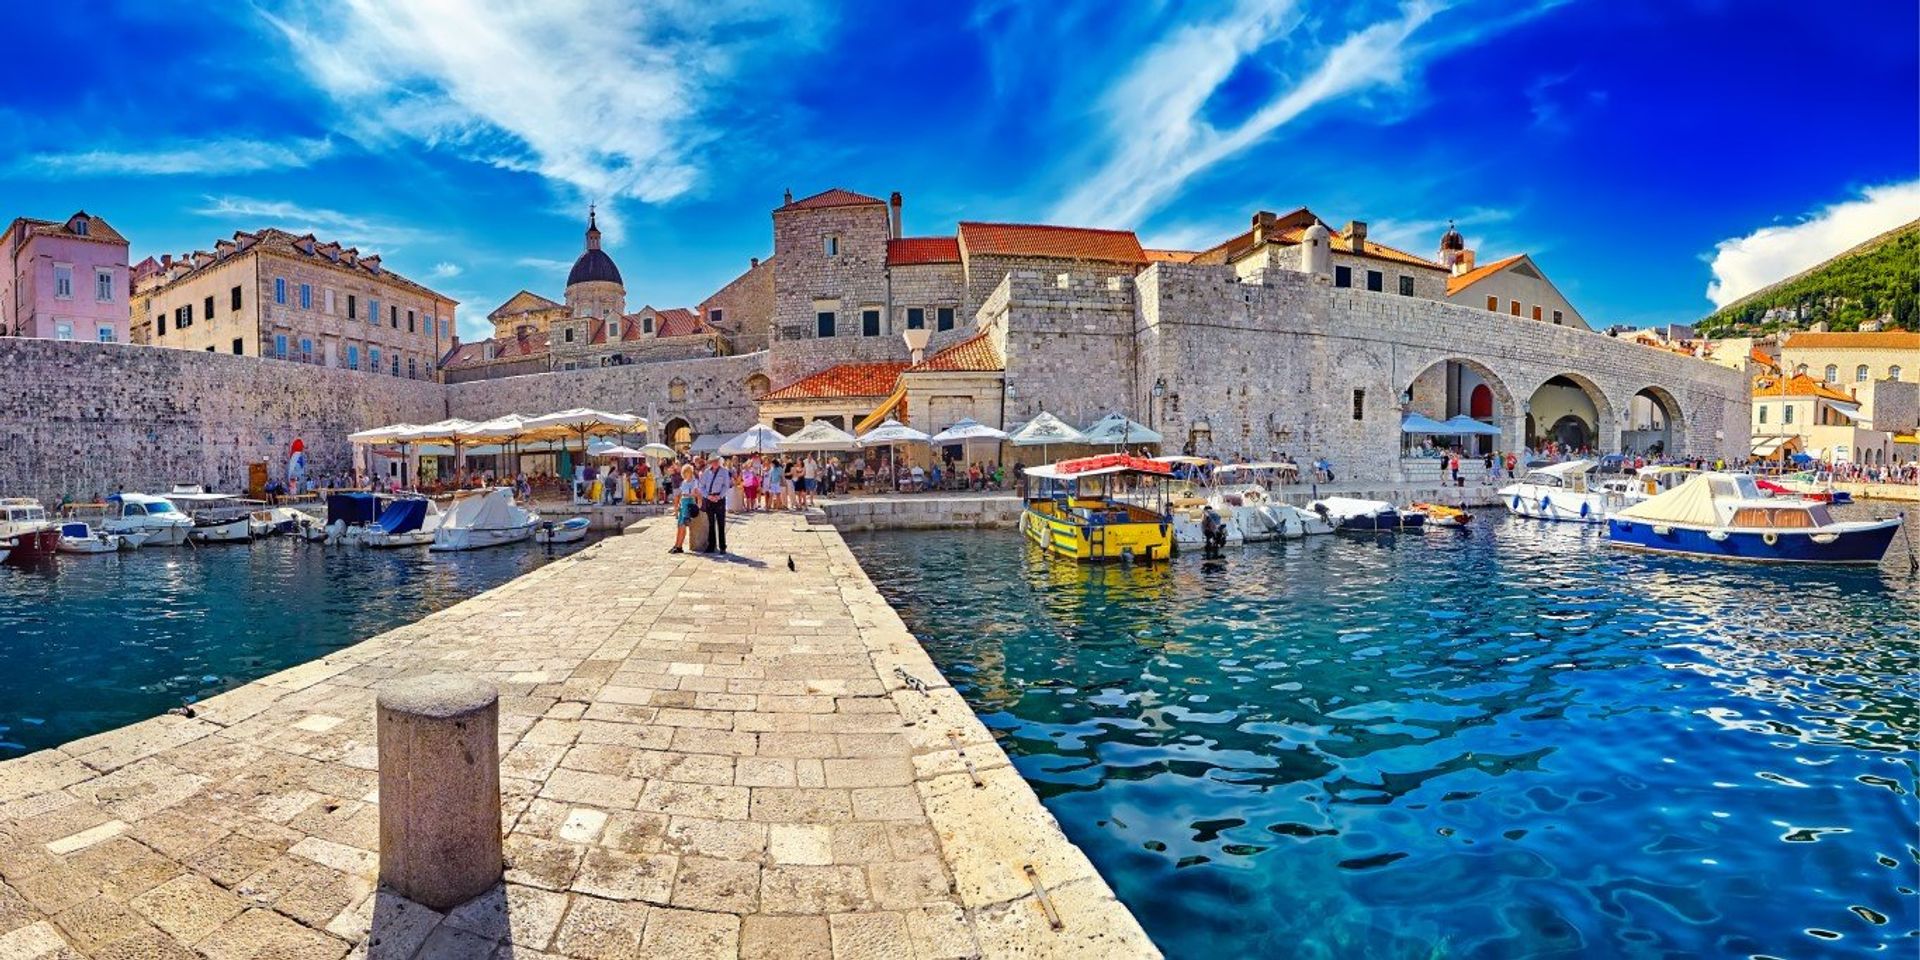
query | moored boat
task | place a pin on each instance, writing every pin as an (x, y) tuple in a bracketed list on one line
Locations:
[(1561, 491), (1725, 516), (484, 518), (217, 517), (1353, 515), (25, 529), (1439, 515), (1075, 510), (78, 537), (570, 530), (276, 521), (154, 520), (407, 522)]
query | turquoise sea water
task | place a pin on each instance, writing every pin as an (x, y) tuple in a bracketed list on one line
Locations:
[(89, 643), (1513, 742)]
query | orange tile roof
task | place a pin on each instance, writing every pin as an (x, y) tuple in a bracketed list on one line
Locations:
[(1881, 340), (1171, 256), (845, 380), (1754, 355), (976, 353), (1798, 385), (1477, 274), (911, 250), (505, 348), (678, 322), (1038, 240), (1378, 250), (834, 197)]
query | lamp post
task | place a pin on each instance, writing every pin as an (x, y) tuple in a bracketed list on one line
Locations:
[(1159, 397)]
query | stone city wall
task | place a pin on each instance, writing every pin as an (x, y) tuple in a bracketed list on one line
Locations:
[(710, 394), (1068, 342), (1282, 367), (86, 419)]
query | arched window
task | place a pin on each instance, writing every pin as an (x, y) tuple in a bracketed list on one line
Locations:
[(1893, 372), (1860, 374), (1833, 373), (677, 391), (1799, 369), (758, 385)]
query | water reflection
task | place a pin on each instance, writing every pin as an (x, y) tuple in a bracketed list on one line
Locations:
[(95, 642), (1513, 741)]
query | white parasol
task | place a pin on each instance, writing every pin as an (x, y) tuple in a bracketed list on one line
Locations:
[(891, 434), (819, 435), (758, 438)]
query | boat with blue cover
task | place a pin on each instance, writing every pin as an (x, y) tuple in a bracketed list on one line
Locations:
[(406, 522), (1726, 516)]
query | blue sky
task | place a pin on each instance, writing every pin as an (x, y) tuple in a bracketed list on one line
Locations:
[(1649, 153)]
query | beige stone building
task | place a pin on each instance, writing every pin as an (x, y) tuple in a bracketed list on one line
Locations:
[(1853, 358), (1515, 286), (273, 294)]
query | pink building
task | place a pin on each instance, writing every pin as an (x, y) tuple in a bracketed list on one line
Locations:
[(64, 280)]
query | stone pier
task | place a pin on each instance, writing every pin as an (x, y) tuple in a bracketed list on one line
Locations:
[(699, 758)]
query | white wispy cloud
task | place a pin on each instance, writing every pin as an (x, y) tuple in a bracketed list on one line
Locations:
[(1155, 115), (611, 100), (1422, 235), (444, 270), (1773, 253), (368, 233), (213, 157), (543, 263)]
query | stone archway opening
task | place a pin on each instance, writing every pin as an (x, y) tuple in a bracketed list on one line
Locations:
[(1569, 414), (1655, 425), (1459, 387), (677, 433)]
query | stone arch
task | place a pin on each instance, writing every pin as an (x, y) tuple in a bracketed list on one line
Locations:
[(1454, 385), (1654, 416), (1569, 409), (677, 433), (758, 385)]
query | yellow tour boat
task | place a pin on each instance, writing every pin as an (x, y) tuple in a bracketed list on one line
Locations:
[(1074, 508)]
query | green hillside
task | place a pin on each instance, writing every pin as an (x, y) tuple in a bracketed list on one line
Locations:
[(1873, 280)]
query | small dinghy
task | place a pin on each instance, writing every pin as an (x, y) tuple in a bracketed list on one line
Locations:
[(571, 530), (77, 537), (1441, 515), (1353, 515)]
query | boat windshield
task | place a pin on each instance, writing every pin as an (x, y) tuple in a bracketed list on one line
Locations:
[(158, 507)]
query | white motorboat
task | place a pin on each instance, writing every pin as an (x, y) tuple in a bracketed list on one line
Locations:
[(571, 530), (154, 520), (217, 517), (1189, 523), (1350, 514), (1294, 522), (1562, 491), (407, 522), (77, 537), (274, 521), (484, 518)]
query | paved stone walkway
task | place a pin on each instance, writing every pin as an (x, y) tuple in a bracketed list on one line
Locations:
[(700, 758)]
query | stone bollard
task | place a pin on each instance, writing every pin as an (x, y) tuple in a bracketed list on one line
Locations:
[(439, 788)]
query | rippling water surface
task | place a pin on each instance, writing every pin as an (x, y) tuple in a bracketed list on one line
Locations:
[(1509, 742), (89, 643)]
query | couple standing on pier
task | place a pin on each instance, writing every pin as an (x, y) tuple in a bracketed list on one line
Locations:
[(703, 488)]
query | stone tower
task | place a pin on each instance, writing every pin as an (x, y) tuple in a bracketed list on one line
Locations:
[(594, 287), (1318, 258)]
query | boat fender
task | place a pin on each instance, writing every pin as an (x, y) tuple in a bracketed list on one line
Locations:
[(1662, 530), (1769, 538), (1583, 509), (1546, 504), (1516, 501), (1716, 535), (1823, 538)]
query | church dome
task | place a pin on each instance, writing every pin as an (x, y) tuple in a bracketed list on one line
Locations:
[(1452, 240), (594, 265)]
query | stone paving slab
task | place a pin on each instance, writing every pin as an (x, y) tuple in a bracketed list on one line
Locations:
[(699, 758)]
